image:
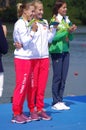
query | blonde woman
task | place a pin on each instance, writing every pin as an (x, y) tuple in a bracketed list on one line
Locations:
[(23, 33)]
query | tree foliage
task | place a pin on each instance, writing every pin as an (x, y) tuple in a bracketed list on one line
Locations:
[(76, 10)]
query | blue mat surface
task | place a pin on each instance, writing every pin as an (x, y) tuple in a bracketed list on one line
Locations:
[(73, 119)]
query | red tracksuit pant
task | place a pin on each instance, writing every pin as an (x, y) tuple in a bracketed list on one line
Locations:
[(38, 84), (23, 74)]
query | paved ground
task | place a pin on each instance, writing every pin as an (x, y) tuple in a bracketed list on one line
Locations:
[(75, 85), (73, 119), (76, 80)]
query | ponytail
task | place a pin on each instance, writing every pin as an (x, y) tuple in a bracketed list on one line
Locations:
[(22, 6), (19, 10)]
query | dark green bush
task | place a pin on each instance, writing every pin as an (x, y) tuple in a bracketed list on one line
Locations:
[(9, 14), (76, 11)]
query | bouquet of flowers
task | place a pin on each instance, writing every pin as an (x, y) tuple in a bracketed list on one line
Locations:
[(63, 26), (53, 21)]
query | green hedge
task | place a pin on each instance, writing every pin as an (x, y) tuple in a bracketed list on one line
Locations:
[(9, 14), (76, 11)]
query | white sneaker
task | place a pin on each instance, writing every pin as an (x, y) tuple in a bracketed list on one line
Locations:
[(60, 106), (64, 106), (57, 106)]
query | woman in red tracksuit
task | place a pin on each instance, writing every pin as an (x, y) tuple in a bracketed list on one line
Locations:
[(40, 65), (23, 33)]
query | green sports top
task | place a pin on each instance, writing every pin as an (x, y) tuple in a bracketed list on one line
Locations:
[(61, 39)]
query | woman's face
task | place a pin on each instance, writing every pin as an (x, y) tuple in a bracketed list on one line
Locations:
[(63, 9), (30, 12), (39, 11)]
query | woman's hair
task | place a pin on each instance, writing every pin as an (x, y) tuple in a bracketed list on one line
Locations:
[(57, 5), (22, 6), (35, 2)]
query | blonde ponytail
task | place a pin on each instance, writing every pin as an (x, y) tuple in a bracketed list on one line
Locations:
[(22, 6), (19, 10)]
